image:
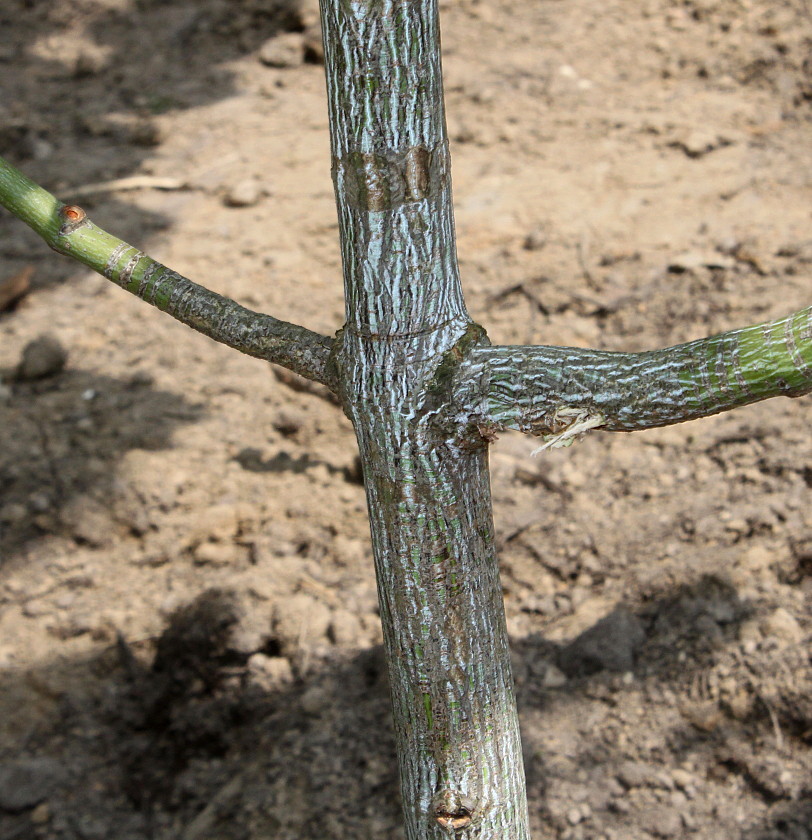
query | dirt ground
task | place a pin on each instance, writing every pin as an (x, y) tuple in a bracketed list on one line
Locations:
[(189, 640)]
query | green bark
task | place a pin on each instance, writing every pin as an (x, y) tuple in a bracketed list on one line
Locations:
[(68, 230), (539, 390), (429, 498), (426, 393)]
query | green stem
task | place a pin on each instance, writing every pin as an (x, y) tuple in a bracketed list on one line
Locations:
[(67, 230)]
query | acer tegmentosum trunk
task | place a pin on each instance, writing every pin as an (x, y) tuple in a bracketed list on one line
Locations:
[(428, 495)]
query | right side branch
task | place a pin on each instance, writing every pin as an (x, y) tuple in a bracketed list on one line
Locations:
[(559, 392)]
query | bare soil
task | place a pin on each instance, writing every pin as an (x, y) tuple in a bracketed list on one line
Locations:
[(189, 639)]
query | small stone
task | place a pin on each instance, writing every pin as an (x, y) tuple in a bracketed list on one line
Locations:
[(269, 672), (782, 626), (536, 240), (245, 193), (682, 778), (610, 644), (27, 782), (89, 522), (636, 774), (13, 512), (252, 632), (693, 260), (44, 356), (218, 523), (661, 821), (345, 629), (554, 677), (142, 379), (41, 814), (215, 554), (315, 699), (300, 621), (36, 608), (704, 715), (699, 143), (145, 133), (89, 64), (285, 50), (287, 423), (573, 816), (750, 635)]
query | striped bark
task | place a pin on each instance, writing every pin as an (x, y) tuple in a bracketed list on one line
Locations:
[(539, 390), (428, 497), (426, 393)]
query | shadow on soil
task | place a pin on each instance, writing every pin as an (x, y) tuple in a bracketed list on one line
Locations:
[(60, 442), (79, 95), (193, 736)]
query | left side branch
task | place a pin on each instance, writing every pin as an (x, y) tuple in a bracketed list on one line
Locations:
[(67, 230)]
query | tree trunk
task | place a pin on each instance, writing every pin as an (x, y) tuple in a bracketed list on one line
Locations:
[(428, 495)]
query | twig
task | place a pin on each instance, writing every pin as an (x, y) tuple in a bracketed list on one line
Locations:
[(583, 258), (134, 182), (68, 231)]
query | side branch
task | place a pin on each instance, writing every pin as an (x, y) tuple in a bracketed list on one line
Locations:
[(558, 392), (67, 230)]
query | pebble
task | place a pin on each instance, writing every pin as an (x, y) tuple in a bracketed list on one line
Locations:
[(89, 64), (287, 422), (44, 356), (300, 621), (661, 821), (699, 143), (41, 814), (285, 50), (315, 699), (554, 677), (245, 193), (27, 782), (216, 554), (252, 631), (610, 645), (682, 778), (536, 240), (270, 672), (782, 626), (636, 774)]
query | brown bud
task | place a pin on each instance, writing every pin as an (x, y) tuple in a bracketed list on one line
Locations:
[(72, 213), (73, 217)]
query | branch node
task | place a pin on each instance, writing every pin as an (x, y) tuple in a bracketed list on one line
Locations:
[(73, 217)]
